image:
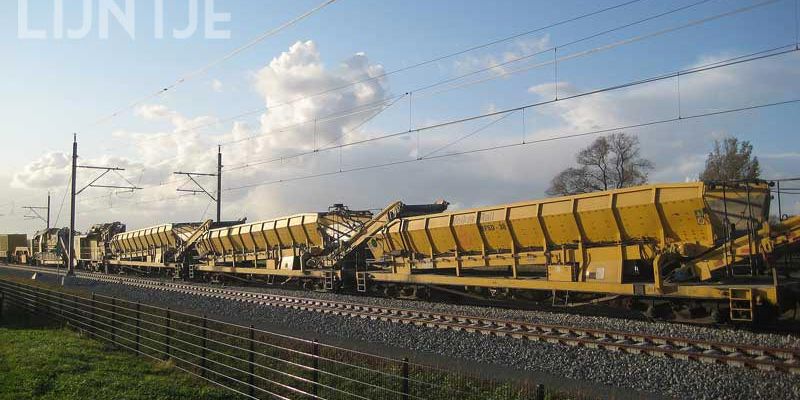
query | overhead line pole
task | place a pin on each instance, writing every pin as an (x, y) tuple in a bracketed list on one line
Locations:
[(219, 183), (201, 189), (74, 193), (35, 211), (71, 244)]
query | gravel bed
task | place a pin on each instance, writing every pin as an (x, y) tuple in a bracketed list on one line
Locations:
[(647, 375), (724, 335)]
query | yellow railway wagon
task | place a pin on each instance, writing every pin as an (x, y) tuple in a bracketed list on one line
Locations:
[(293, 246), (153, 246), (278, 242), (633, 241)]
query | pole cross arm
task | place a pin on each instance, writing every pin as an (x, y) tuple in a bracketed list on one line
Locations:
[(200, 188)]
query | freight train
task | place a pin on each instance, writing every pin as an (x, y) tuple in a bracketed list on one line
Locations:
[(704, 249)]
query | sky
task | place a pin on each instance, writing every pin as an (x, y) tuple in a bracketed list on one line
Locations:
[(319, 112)]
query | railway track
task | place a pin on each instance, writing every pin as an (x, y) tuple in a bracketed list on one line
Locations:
[(763, 358)]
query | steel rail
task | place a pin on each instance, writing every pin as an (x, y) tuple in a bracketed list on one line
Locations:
[(705, 351)]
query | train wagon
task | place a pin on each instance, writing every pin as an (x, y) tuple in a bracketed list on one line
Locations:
[(9, 243), (321, 248), (49, 247), (158, 248), (693, 241), (162, 249), (93, 248)]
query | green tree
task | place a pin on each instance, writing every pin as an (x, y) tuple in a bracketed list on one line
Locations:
[(731, 160), (610, 162)]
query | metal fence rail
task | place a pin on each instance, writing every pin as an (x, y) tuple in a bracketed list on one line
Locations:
[(254, 363)]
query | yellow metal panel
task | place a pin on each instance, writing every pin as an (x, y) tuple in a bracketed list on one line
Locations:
[(495, 230), (270, 228), (466, 230), (258, 235), (441, 235), (224, 240), (637, 214), (284, 234), (297, 231), (525, 226), (684, 211), (597, 218), (418, 237), (560, 273), (248, 242), (559, 222), (394, 237)]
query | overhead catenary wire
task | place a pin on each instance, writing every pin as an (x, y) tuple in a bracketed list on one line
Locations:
[(772, 52), (429, 61), (776, 51), (518, 144), (236, 167), (764, 3), (556, 60), (462, 76)]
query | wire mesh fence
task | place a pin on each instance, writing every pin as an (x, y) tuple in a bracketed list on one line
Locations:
[(254, 363)]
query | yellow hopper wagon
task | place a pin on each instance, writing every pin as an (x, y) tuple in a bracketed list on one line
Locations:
[(165, 248), (319, 249), (694, 241)]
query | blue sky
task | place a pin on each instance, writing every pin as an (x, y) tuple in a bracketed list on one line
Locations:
[(56, 87)]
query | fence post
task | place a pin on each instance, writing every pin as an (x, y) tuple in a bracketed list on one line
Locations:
[(203, 348), (251, 360), (540, 392), (405, 379), (113, 320), (94, 316), (168, 332), (315, 365), (78, 314), (138, 325)]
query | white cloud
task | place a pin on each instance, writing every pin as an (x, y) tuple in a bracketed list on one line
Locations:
[(49, 171), (217, 85), (518, 51)]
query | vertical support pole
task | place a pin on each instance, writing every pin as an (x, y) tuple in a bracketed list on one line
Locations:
[(219, 184), (48, 210), (71, 243), (750, 231), (203, 348), (540, 392), (315, 366), (251, 389), (780, 209), (167, 335), (113, 320), (406, 389), (61, 307), (93, 316), (138, 326)]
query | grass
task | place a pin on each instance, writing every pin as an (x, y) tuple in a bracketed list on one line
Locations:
[(54, 363)]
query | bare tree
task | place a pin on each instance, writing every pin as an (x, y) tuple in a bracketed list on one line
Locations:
[(610, 162), (731, 160)]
